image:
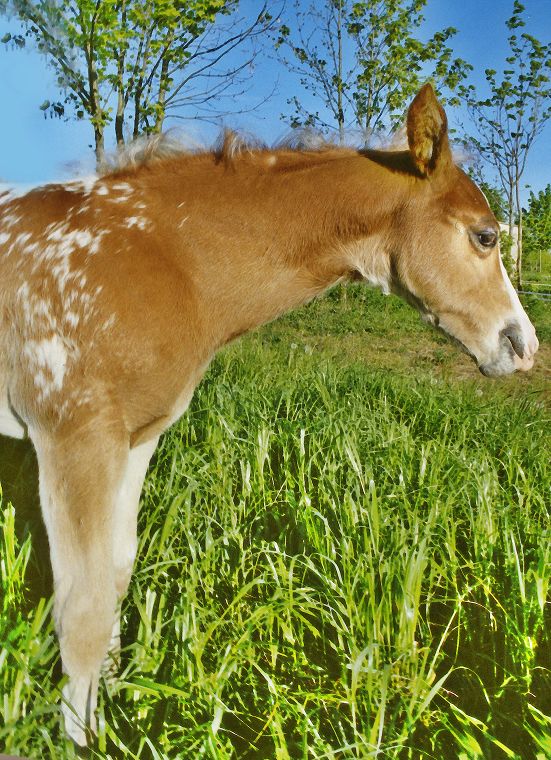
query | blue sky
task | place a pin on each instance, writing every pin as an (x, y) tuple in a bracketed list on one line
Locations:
[(35, 149)]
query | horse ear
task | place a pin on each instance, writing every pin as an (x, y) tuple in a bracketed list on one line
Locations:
[(427, 128)]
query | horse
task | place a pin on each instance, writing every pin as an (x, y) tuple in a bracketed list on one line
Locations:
[(116, 292)]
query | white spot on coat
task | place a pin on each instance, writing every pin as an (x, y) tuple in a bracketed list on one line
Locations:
[(137, 221), (48, 362), (72, 318), (122, 186)]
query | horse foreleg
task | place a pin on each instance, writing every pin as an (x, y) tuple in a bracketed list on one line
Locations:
[(125, 540), (80, 480)]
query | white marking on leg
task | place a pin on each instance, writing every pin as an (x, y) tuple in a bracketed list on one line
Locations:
[(126, 513), (125, 539)]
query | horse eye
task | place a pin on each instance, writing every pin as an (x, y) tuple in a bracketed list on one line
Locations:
[(487, 238)]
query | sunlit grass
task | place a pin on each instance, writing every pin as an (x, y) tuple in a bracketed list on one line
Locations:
[(334, 562)]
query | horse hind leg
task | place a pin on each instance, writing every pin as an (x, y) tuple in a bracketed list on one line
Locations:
[(80, 478), (125, 538)]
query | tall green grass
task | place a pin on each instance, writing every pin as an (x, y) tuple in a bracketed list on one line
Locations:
[(334, 562)]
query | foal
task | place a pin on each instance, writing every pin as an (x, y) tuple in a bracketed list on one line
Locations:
[(114, 297)]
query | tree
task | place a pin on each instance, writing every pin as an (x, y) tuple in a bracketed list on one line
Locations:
[(128, 62), (363, 62), (537, 224), (508, 121)]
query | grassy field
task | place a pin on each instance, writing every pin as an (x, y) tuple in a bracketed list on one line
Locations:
[(345, 553)]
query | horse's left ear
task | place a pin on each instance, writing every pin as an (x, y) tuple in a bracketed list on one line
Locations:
[(428, 132)]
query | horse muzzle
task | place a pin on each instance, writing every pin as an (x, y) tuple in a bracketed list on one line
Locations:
[(516, 352)]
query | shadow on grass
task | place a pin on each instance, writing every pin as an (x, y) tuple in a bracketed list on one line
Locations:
[(19, 482)]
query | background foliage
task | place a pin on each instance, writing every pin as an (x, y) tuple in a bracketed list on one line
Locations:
[(364, 61)]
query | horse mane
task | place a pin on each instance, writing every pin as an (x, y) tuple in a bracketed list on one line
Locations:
[(146, 150), (230, 145)]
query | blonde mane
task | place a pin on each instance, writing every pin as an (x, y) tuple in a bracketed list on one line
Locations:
[(230, 144)]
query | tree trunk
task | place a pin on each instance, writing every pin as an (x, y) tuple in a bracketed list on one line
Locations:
[(121, 102), (137, 110), (519, 243), (163, 87), (340, 116), (511, 226), (511, 212), (99, 145), (95, 103), (96, 114), (119, 120)]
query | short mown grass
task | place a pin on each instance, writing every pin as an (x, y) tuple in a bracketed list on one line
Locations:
[(337, 560)]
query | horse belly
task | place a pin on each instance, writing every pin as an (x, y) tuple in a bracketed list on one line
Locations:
[(10, 425)]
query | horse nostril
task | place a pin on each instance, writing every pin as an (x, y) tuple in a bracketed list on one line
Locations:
[(513, 334)]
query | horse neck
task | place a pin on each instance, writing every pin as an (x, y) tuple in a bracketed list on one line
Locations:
[(287, 240)]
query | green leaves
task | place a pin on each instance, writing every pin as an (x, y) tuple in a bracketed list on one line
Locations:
[(510, 118), (537, 224), (128, 61), (372, 61)]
